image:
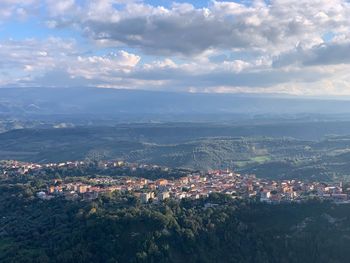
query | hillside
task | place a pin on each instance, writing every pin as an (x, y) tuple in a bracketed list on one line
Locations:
[(117, 228), (250, 149)]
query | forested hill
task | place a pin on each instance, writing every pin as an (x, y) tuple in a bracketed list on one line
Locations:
[(116, 228), (309, 152), (182, 132)]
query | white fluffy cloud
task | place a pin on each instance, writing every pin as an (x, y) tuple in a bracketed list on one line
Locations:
[(299, 47), (17, 9), (61, 7), (25, 62), (103, 67), (272, 27)]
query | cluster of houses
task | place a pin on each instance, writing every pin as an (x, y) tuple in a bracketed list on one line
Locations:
[(193, 185), (13, 168), (201, 185)]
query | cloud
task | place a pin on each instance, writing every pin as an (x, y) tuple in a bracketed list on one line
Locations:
[(55, 61), (92, 67), (324, 54), (17, 9), (61, 7), (271, 46), (184, 30)]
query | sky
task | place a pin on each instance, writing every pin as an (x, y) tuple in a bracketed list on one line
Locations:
[(272, 46)]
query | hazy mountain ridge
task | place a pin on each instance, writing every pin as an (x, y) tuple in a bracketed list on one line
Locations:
[(95, 101)]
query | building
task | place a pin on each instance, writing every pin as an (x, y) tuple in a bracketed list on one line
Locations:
[(51, 189), (145, 197), (265, 196), (44, 196), (82, 189), (162, 182), (41, 195), (164, 195)]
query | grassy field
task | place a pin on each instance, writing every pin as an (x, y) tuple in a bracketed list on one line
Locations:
[(253, 160)]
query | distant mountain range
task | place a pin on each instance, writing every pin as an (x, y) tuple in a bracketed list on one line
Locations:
[(112, 102)]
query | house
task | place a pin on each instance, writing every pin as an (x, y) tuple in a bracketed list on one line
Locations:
[(162, 182), (145, 197), (82, 189), (164, 195)]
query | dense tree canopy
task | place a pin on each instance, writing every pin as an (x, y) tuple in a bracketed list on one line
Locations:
[(117, 228)]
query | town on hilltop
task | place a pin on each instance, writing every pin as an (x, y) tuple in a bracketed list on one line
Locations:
[(111, 176)]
